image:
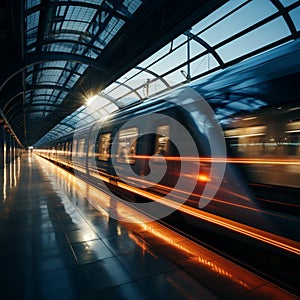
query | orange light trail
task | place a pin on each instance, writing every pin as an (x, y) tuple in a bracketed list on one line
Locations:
[(252, 232), (273, 161), (185, 193), (233, 160), (266, 237)]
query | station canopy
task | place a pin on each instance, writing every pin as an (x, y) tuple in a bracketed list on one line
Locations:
[(82, 62)]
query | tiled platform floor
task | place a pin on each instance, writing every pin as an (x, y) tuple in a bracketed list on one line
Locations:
[(55, 245)]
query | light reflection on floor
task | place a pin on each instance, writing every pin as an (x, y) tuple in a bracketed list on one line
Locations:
[(188, 254)]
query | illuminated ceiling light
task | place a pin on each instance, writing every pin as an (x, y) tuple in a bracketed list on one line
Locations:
[(90, 100)]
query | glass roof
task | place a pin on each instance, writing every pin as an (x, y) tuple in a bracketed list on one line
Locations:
[(78, 27), (237, 31)]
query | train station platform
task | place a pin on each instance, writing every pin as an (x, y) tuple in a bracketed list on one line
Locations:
[(55, 245)]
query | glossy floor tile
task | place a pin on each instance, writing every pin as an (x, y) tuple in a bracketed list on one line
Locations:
[(55, 245)]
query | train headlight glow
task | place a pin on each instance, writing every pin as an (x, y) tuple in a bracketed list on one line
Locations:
[(203, 178)]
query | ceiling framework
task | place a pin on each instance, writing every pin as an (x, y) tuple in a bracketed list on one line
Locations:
[(56, 54)]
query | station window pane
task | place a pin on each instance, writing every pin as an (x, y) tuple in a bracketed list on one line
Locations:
[(156, 86), (254, 40), (288, 2), (163, 51), (175, 77), (238, 21), (32, 3), (196, 48), (216, 15), (203, 64), (171, 61), (295, 15)]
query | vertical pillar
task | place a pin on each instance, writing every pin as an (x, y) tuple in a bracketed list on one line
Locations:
[(8, 147), (13, 152), (2, 141), (17, 150)]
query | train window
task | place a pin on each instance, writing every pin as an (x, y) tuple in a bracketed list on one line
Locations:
[(162, 140), (246, 141), (70, 149), (91, 150), (292, 144), (127, 145), (104, 144), (292, 138), (74, 150), (63, 148), (67, 148), (80, 152)]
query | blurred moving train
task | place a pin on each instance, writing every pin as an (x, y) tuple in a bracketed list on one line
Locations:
[(266, 145), (270, 140)]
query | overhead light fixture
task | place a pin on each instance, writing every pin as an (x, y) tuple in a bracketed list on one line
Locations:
[(90, 100)]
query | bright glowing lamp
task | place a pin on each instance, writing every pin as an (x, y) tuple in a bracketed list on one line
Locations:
[(90, 100)]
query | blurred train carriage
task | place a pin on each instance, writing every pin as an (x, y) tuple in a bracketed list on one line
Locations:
[(269, 143), (261, 149)]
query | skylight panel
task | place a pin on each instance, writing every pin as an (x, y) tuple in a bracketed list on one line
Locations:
[(60, 11), (225, 9), (119, 92), (111, 107), (29, 79), (171, 61), (295, 15), (37, 114), (81, 68), (129, 74), (70, 83), (127, 100), (58, 101), (174, 78), (241, 19), (32, 3), (111, 29), (80, 13), (49, 76), (31, 40), (132, 5), (28, 95), (98, 2), (42, 92), (75, 25), (156, 56), (32, 20), (288, 2), (203, 64), (255, 39), (65, 47), (54, 64)]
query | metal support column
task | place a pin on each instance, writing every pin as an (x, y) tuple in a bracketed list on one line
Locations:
[(13, 152), (8, 147), (2, 142)]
